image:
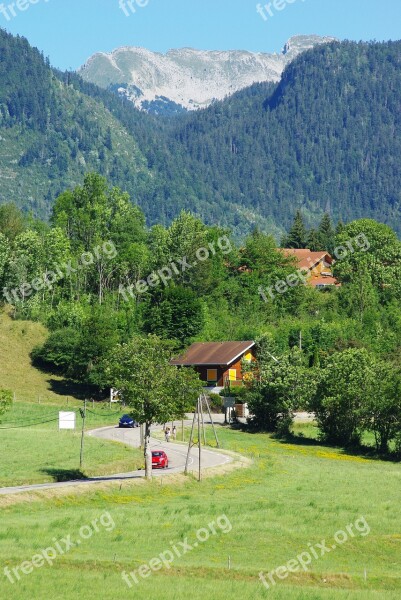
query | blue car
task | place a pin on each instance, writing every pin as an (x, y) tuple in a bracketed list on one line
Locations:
[(127, 421)]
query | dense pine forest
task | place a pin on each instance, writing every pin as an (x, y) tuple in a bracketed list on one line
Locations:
[(325, 139)]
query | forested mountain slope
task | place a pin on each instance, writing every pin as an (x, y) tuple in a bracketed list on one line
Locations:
[(52, 134), (326, 138)]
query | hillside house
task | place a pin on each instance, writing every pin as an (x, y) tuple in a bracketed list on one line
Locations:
[(218, 363), (319, 265)]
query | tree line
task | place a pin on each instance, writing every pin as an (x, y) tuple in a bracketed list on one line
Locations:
[(97, 243), (352, 392)]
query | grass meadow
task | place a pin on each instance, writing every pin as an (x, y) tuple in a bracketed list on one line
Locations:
[(292, 495), (39, 453), (17, 339)]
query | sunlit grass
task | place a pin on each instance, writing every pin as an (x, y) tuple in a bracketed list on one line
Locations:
[(17, 339), (293, 495), (34, 451)]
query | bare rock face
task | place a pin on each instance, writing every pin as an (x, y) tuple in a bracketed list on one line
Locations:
[(188, 79)]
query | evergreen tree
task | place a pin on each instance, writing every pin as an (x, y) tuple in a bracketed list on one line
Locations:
[(326, 234), (297, 235), (314, 240), (108, 142), (340, 227)]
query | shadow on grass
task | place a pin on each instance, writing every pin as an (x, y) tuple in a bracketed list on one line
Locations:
[(359, 450), (67, 387), (362, 451), (65, 474)]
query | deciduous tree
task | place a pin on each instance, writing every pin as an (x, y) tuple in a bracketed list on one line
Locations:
[(346, 387), (155, 391)]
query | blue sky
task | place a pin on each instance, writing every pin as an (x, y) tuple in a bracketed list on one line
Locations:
[(69, 31)]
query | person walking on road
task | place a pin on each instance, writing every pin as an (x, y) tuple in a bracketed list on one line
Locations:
[(167, 434)]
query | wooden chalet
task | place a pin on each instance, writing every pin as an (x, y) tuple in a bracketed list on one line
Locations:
[(219, 364), (319, 265)]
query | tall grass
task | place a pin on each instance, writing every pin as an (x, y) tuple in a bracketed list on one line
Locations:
[(293, 495)]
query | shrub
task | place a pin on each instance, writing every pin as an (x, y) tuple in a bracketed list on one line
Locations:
[(6, 399)]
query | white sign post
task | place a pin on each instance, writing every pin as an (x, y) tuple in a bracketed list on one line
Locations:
[(66, 420), (114, 395), (229, 404)]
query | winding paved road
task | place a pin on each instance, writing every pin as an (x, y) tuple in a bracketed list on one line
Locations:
[(176, 453)]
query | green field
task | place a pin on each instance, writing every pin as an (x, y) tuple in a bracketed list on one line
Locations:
[(40, 453), (17, 339), (293, 495)]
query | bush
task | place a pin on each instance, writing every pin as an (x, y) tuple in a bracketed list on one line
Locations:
[(58, 352), (346, 385), (216, 403), (238, 393), (6, 399), (283, 427)]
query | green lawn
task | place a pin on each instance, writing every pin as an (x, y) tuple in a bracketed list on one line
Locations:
[(40, 453), (17, 338), (292, 496)]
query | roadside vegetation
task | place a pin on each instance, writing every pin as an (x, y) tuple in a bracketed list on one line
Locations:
[(33, 450)]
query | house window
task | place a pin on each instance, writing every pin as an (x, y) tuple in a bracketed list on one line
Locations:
[(248, 357), (212, 375), (232, 375)]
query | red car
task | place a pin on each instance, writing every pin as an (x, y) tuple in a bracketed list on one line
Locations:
[(159, 459)]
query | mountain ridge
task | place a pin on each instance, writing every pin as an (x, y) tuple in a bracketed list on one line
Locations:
[(325, 138), (188, 79)]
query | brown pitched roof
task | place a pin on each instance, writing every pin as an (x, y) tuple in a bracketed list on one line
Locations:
[(306, 258), (213, 353), (324, 280)]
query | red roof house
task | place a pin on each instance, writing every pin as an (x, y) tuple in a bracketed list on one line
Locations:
[(319, 265)]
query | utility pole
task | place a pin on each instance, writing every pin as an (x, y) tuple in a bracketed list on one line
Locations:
[(199, 437), (211, 420), (83, 415), (198, 416), (191, 437), (203, 421)]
